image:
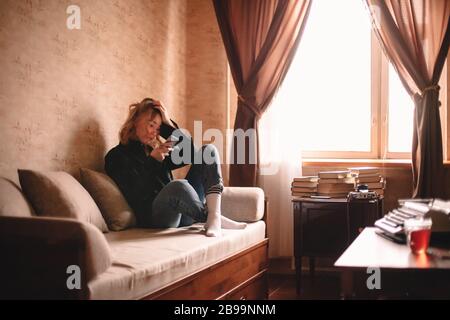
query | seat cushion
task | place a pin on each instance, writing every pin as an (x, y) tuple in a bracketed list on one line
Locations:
[(145, 260), (112, 204), (12, 201), (243, 203), (58, 194)]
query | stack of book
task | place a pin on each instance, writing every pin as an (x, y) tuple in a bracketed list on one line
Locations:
[(335, 184), (304, 186), (371, 177)]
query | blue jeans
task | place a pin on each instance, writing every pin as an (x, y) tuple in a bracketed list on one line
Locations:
[(182, 202)]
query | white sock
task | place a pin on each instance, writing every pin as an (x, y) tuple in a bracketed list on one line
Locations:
[(231, 224), (213, 221)]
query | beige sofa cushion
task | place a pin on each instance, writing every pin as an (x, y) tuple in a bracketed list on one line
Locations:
[(146, 260), (243, 203), (113, 206), (12, 201), (58, 194)]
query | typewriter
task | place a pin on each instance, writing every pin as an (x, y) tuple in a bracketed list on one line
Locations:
[(391, 225)]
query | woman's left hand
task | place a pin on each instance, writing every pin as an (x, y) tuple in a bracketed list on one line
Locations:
[(164, 114)]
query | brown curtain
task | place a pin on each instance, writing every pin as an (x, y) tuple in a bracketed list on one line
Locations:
[(260, 38), (415, 37)]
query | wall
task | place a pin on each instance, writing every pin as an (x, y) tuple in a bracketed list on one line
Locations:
[(206, 85), (64, 93)]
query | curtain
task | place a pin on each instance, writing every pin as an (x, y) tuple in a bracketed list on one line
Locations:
[(260, 39), (280, 162), (414, 35)]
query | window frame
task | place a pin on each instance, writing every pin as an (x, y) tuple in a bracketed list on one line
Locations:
[(375, 133), (379, 118), (324, 157)]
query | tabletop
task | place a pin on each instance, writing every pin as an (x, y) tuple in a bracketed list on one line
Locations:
[(372, 250)]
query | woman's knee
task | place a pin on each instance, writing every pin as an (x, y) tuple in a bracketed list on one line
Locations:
[(178, 198), (178, 187), (174, 199)]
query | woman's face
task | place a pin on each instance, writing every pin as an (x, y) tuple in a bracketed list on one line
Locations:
[(147, 129)]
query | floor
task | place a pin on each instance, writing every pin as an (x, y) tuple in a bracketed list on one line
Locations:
[(322, 287), (325, 285)]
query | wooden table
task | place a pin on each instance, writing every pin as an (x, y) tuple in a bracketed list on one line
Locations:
[(402, 274), (326, 227)]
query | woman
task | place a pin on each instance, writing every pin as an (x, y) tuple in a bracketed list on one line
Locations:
[(141, 165)]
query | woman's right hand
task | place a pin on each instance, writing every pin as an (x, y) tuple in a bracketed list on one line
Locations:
[(161, 152)]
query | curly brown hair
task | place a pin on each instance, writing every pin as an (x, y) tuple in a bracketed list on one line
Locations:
[(128, 129)]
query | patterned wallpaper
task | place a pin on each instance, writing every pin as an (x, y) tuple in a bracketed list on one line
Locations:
[(206, 68), (64, 93)]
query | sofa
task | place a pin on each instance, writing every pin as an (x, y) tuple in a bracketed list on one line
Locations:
[(60, 239)]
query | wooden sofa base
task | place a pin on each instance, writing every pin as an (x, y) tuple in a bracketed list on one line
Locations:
[(238, 277)]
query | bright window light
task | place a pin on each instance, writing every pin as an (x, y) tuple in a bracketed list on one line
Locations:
[(401, 108), (326, 96)]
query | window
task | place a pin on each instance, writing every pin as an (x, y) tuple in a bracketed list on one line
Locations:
[(339, 94), (400, 120)]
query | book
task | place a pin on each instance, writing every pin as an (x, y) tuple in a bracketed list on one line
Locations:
[(364, 170), (371, 178), (334, 174), (335, 188), (303, 189), (304, 184), (334, 192), (364, 175), (306, 179), (350, 180)]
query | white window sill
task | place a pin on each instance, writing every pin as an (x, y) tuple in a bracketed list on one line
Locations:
[(392, 163), (398, 163)]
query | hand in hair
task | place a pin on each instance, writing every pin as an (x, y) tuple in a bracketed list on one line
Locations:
[(161, 152), (164, 113)]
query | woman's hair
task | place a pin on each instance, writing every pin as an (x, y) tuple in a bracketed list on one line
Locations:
[(128, 129)]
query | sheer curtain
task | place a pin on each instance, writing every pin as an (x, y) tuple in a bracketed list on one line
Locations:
[(415, 36), (260, 38), (311, 108), (280, 162)]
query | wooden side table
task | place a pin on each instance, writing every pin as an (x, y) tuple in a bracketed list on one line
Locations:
[(326, 227), (402, 273)]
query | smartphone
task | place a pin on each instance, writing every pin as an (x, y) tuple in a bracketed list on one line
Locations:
[(172, 139)]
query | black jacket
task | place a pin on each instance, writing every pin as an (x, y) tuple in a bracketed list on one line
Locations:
[(140, 177)]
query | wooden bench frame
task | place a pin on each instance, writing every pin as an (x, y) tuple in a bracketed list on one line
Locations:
[(241, 276)]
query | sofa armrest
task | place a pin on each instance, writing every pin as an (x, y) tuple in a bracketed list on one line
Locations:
[(37, 251), (244, 204)]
